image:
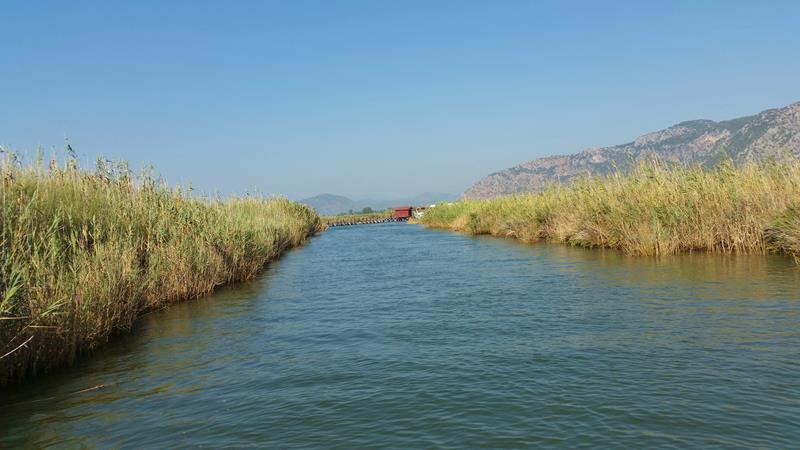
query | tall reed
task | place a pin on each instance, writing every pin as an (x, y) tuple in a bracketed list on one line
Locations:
[(656, 209), (84, 253)]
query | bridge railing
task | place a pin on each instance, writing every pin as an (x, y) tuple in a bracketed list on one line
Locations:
[(358, 219)]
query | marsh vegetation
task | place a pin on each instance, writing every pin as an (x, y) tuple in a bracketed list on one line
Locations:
[(656, 209), (85, 252)]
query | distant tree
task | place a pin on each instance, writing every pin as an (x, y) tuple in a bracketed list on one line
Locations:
[(367, 210), (350, 211)]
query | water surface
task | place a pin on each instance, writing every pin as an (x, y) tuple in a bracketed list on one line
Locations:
[(396, 336)]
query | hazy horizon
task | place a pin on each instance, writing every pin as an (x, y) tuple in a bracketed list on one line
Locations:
[(377, 100)]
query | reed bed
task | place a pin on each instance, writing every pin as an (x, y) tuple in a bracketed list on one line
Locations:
[(84, 253), (657, 209)]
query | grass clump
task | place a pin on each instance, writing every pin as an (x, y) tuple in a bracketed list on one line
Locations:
[(84, 253), (657, 209)]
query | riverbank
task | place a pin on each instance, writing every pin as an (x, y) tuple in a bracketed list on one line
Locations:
[(657, 209), (84, 253)]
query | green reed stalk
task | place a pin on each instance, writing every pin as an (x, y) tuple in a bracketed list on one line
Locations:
[(657, 209), (84, 253)]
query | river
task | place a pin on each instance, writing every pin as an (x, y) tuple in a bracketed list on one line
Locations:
[(393, 335)]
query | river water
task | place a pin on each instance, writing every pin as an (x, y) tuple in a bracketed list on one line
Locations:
[(393, 335)]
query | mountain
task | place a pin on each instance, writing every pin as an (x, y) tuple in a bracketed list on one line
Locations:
[(771, 133), (330, 204)]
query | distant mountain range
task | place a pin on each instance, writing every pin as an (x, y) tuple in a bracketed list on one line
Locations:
[(773, 132), (330, 204)]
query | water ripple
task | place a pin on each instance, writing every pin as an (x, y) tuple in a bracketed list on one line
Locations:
[(395, 336)]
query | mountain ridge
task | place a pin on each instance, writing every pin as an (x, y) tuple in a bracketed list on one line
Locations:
[(769, 133)]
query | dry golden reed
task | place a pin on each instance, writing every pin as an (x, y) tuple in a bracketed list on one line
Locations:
[(657, 209), (84, 253)]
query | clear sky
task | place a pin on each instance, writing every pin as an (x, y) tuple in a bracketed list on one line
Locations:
[(377, 98)]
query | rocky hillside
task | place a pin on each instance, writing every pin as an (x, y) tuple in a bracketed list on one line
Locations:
[(774, 132)]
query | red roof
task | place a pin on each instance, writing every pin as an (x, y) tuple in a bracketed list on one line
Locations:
[(402, 212)]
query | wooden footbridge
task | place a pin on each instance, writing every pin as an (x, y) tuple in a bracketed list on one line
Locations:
[(346, 223), (398, 214)]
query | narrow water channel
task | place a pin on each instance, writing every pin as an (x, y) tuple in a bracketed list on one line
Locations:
[(394, 335)]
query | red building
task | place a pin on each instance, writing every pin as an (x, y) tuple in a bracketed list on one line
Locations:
[(402, 212)]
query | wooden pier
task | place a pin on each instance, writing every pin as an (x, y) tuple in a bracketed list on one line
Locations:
[(396, 214), (348, 223)]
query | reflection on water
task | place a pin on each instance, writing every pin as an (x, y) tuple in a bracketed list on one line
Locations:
[(393, 335)]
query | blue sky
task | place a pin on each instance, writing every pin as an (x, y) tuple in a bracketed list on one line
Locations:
[(379, 98)]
